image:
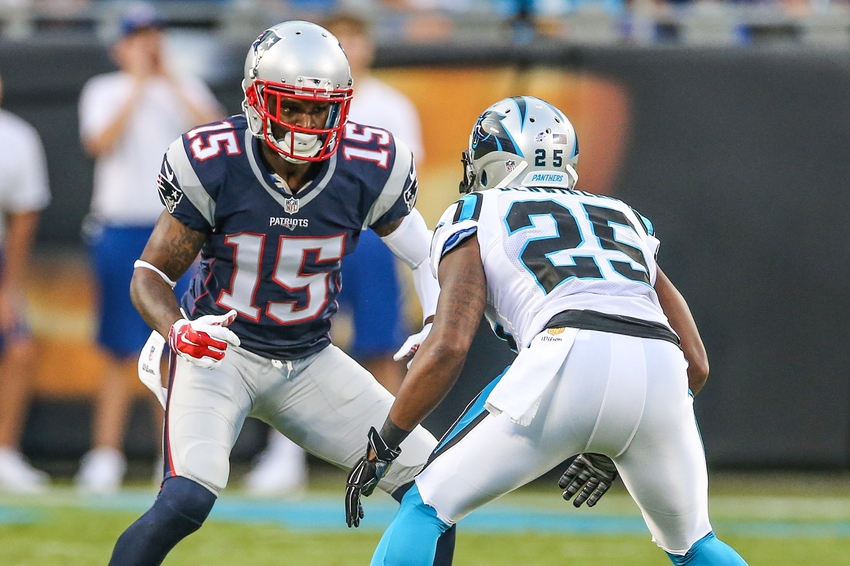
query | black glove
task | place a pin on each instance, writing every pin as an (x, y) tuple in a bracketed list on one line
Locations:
[(593, 474), (366, 474)]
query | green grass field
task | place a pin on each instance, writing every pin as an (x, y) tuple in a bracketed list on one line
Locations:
[(771, 519)]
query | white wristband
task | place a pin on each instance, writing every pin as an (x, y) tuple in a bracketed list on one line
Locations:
[(155, 269)]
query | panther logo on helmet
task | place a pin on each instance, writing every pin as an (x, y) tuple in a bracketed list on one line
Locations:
[(489, 134), (519, 141)]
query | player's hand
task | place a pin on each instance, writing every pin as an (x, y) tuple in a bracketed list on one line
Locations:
[(366, 474), (412, 344), (592, 475), (203, 341)]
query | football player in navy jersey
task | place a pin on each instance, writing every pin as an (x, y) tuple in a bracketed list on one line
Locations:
[(273, 200)]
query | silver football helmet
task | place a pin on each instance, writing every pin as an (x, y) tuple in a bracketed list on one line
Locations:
[(303, 61), (520, 140)]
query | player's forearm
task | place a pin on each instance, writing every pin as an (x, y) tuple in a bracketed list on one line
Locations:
[(439, 361), (168, 254), (155, 300), (432, 374), (682, 321), (427, 290)]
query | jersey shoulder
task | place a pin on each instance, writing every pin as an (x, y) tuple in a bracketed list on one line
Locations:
[(369, 149), (198, 165), (204, 154), (384, 169)]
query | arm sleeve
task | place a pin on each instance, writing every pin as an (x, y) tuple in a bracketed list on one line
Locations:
[(410, 243)]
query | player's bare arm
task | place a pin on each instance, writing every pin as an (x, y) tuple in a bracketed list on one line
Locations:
[(679, 315), (437, 365), (387, 229), (434, 370), (171, 248)]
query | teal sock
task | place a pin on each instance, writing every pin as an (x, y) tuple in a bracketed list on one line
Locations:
[(708, 551)]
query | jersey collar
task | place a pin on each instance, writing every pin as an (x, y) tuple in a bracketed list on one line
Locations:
[(282, 194)]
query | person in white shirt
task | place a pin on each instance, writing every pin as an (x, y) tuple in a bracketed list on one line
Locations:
[(372, 295), (24, 193), (127, 120)]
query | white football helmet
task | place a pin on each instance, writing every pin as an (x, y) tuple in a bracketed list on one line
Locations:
[(303, 61), (520, 140)]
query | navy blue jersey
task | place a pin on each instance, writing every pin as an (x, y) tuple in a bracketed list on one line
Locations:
[(273, 256)]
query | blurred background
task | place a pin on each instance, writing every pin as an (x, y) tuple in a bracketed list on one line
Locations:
[(725, 123)]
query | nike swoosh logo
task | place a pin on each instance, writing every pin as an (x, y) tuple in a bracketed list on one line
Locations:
[(169, 172)]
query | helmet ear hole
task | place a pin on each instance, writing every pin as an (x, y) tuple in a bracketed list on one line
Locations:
[(484, 178)]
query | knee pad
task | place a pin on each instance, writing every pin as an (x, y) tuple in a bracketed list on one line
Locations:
[(188, 499)]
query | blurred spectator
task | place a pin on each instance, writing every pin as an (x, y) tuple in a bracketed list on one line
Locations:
[(127, 120), (372, 293), (23, 194)]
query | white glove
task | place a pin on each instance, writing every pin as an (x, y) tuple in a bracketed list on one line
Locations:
[(411, 345), (203, 341)]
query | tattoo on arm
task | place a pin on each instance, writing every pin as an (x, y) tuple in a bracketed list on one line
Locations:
[(467, 299), (172, 248), (183, 250)]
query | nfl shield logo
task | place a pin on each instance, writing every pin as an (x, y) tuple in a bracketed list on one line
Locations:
[(510, 165), (291, 205)]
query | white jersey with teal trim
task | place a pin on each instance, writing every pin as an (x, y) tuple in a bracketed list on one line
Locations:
[(547, 250)]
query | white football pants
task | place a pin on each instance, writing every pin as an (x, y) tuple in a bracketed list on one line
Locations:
[(618, 395), (325, 403)]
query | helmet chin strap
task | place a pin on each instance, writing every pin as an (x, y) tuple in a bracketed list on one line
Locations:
[(306, 145), (573, 175), (512, 175)]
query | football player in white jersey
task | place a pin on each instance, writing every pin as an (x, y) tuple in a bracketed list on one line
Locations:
[(602, 370)]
